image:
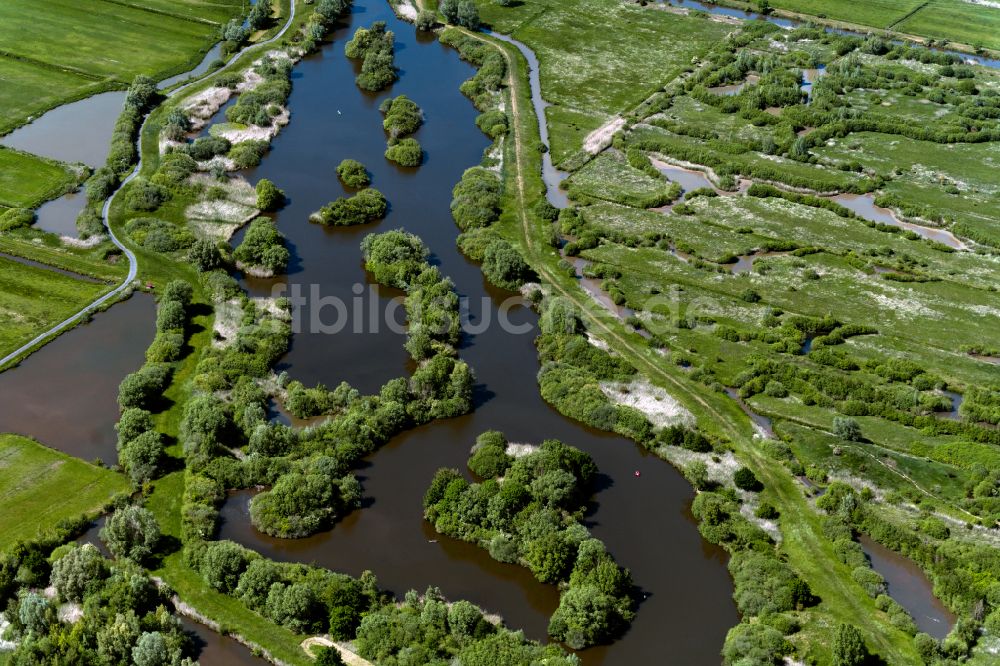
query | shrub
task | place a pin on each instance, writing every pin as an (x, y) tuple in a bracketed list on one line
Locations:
[(407, 152), (269, 197), (847, 428), (493, 123), (263, 247), (205, 255), (15, 218), (402, 116), (426, 19), (353, 173), (745, 479), (366, 206), (248, 154), (145, 196)]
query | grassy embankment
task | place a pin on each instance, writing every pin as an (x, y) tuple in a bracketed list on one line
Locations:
[(808, 551), (27, 180), (165, 500), (107, 50), (31, 475)]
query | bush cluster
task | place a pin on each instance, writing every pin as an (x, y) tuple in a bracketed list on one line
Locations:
[(263, 248), (366, 206), (531, 518), (374, 46)]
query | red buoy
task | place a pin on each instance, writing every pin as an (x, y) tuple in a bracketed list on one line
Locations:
[(637, 473)]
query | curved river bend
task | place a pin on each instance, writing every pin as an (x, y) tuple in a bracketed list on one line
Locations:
[(644, 520)]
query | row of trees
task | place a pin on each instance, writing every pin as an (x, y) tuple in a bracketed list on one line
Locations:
[(526, 511), (124, 617), (423, 629)]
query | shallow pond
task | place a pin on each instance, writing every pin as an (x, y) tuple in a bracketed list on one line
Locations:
[(864, 206), (75, 132), (65, 395), (59, 215)]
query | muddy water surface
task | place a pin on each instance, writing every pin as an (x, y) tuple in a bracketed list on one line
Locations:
[(644, 520), (65, 395)]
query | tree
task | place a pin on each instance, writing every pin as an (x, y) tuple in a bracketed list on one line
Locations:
[(178, 290), (131, 532), (406, 152), (223, 563), (464, 619), (584, 617), (170, 315), (139, 388), (78, 571), (847, 428), (133, 422), (353, 173), (256, 582), (204, 422), (745, 479), (549, 557), (504, 266), (269, 197), (489, 457), (449, 9), (205, 255), (141, 456), (754, 643), (151, 650), (426, 20), (327, 656), (468, 15), (295, 606), (849, 646), (35, 613)]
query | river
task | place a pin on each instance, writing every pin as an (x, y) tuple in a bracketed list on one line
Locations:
[(645, 520)]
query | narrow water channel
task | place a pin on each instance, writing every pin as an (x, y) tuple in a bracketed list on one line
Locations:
[(645, 520), (65, 395), (909, 586)]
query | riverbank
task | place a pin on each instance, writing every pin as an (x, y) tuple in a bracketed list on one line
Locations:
[(808, 550)]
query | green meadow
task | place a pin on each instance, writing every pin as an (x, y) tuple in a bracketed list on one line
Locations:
[(40, 487)]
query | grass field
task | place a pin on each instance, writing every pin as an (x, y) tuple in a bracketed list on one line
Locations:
[(49, 249), (33, 299), (40, 486), (590, 71), (960, 21), (26, 180), (876, 13), (957, 21), (54, 51)]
